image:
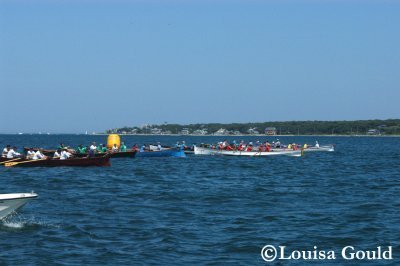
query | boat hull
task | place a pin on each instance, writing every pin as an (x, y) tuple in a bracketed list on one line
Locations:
[(10, 203), (74, 162), (208, 151), (163, 153), (118, 154)]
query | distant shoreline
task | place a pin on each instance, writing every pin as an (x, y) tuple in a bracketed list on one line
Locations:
[(180, 135), (247, 135)]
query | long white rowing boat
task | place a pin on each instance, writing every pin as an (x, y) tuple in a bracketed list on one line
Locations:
[(10, 203), (208, 151)]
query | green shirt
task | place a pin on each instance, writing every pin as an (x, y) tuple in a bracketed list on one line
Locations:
[(101, 149), (122, 148), (81, 150)]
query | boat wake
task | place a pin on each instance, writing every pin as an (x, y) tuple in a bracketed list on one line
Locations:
[(17, 221)]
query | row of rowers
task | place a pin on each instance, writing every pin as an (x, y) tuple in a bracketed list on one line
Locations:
[(64, 152), (98, 149), (258, 146), (11, 153)]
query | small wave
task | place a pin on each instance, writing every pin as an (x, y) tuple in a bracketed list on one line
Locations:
[(16, 221), (16, 225)]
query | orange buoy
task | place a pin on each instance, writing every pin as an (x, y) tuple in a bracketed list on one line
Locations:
[(113, 139)]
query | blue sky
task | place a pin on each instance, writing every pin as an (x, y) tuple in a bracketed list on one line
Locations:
[(71, 66)]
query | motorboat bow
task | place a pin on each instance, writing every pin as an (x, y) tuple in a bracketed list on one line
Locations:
[(10, 203)]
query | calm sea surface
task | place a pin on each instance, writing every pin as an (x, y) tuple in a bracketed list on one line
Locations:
[(204, 209)]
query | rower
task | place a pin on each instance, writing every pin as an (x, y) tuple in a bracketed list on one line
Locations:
[(5, 151), (277, 143), (39, 155), (234, 144), (57, 154), (91, 152), (267, 146), (122, 148), (182, 147), (12, 153), (289, 146), (224, 144), (30, 153), (62, 146), (249, 147), (142, 148), (316, 144), (177, 145), (102, 148), (81, 149), (65, 154), (114, 148), (305, 146), (159, 148), (93, 147)]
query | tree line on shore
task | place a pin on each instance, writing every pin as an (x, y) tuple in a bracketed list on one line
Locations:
[(357, 127)]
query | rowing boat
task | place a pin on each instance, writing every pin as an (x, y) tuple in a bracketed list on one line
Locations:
[(186, 150), (162, 153), (117, 154), (50, 162), (208, 151), (328, 148)]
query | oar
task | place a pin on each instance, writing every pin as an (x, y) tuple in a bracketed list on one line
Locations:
[(10, 160), (15, 163)]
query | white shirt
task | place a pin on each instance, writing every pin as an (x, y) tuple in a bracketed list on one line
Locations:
[(56, 155), (316, 144), (114, 148), (93, 147), (12, 154), (5, 152), (64, 155), (30, 154), (38, 155)]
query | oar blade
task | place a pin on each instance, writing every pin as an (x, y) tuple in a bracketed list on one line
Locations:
[(10, 164)]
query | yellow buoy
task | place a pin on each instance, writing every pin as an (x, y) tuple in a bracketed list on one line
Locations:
[(113, 139)]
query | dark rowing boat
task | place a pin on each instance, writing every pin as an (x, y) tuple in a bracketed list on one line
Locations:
[(118, 154), (50, 162)]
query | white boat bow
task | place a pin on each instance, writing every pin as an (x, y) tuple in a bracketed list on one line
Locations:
[(10, 203)]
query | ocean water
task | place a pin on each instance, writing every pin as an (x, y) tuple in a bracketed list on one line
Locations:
[(204, 209)]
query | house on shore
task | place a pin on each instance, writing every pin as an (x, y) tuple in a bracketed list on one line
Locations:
[(374, 132), (270, 131)]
